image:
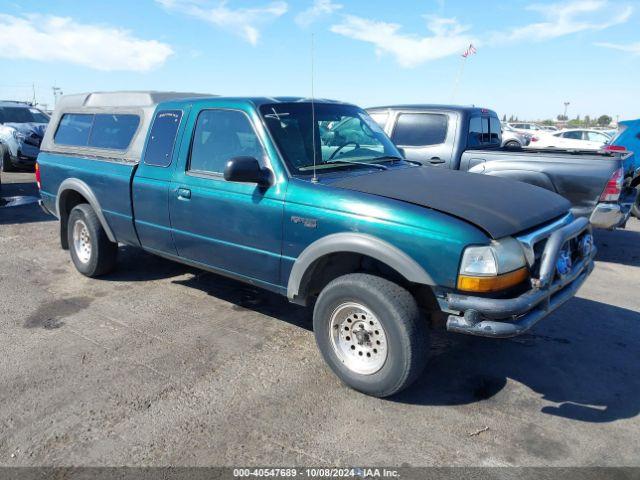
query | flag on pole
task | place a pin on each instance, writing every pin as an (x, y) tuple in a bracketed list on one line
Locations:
[(471, 50)]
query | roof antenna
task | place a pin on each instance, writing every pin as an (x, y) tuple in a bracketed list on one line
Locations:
[(314, 179)]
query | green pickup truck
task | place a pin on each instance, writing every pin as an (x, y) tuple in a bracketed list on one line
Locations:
[(310, 199)]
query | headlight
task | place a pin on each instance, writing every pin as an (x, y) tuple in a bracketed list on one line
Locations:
[(18, 135), (493, 267)]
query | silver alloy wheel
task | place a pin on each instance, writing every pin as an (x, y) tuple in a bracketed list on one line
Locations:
[(82, 241), (358, 339)]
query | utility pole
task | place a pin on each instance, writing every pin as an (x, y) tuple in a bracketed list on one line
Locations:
[(566, 105)]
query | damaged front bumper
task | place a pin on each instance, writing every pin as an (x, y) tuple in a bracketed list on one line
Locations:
[(508, 317)]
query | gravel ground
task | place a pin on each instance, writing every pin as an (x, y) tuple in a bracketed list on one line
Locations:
[(160, 364)]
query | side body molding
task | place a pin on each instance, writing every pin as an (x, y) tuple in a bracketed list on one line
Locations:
[(83, 189), (349, 242)]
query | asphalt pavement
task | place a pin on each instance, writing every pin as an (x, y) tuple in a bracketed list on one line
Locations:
[(161, 364)]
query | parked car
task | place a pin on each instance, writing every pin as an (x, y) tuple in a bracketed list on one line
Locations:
[(249, 188), (21, 131), (526, 127), (469, 139), (514, 139), (573, 139), (628, 138), (549, 128)]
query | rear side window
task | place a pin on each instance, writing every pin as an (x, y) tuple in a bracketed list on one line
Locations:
[(108, 131), (113, 132), (420, 129), (162, 138), (74, 129)]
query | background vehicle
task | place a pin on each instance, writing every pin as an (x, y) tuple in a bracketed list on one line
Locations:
[(514, 139), (579, 139), (468, 138), (527, 127), (314, 202), (21, 131), (628, 137)]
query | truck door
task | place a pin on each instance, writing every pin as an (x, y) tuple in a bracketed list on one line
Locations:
[(232, 227), (425, 137), (150, 190)]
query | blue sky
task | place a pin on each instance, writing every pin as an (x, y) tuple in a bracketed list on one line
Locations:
[(531, 55)]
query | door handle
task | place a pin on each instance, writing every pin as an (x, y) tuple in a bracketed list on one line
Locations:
[(183, 194), (435, 160)]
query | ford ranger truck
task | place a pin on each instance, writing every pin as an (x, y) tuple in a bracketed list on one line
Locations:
[(260, 190)]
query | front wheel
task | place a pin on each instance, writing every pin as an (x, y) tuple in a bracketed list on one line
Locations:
[(370, 332), (92, 252), (635, 209), (512, 144)]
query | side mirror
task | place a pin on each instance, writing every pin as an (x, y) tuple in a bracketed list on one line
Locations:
[(247, 170), (402, 151)]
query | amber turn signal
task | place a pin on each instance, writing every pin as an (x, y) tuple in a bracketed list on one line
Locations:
[(468, 283)]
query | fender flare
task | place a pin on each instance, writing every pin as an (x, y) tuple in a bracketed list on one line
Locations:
[(349, 242), (76, 185)]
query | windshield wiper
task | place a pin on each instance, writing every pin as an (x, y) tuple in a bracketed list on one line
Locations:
[(361, 164), (393, 157)]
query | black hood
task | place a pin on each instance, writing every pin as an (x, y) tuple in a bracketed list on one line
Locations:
[(498, 206)]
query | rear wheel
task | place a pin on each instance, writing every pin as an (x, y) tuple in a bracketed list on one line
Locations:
[(370, 332), (92, 252)]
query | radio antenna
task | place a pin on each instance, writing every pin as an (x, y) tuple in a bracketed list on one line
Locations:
[(314, 179)]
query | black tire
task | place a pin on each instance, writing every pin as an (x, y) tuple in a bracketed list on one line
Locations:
[(5, 160), (103, 253), (405, 331), (512, 144), (635, 209)]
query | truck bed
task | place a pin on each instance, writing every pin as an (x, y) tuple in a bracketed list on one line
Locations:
[(108, 179), (579, 176)]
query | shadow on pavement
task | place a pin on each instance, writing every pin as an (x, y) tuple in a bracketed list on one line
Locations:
[(18, 204), (590, 370), (619, 246)]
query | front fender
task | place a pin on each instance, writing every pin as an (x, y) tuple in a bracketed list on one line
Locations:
[(349, 242)]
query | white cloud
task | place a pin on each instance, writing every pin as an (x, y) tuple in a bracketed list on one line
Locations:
[(320, 8), (632, 48), (245, 22), (51, 38), (569, 17), (447, 38)]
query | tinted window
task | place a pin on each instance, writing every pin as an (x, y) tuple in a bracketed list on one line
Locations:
[(573, 135), (380, 118), (162, 138), (484, 131), (221, 135), (113, 132), (22, 115), (495, 130), (420, 129), (74, 129)]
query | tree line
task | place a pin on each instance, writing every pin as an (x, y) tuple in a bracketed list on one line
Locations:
[(587, 121)]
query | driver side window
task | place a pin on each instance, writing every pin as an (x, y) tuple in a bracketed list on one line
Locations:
[(219, 136)]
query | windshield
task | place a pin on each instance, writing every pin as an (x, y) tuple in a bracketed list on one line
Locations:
[(344, 134), (22, 115)]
